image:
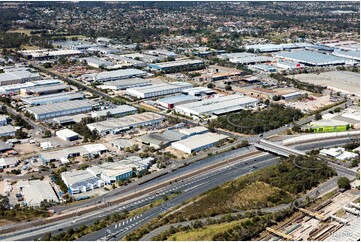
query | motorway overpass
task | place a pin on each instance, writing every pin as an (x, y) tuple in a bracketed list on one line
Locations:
[(277, 149)]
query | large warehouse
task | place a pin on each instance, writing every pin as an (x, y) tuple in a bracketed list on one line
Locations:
[(45, 90), (118, 111), (16, 77), (125, 83), (217, 106), (117, 125), (81, 181), (36, 191), (171, 102), (158, 89), (53, 98), (198, 142), (177, 66), (16, 88), (311, 58), (61, 109), (114, 75)]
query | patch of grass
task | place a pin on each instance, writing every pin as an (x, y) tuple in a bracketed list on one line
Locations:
[(204, 234)]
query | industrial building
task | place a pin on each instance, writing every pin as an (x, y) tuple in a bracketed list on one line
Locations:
[(217, 106), (177, 66), (198, 142), (329, 125), (125, 61), (121, 110), (121, 144), (171, 102), (106, 76), (289, 65), (97, 62), (290, 96), (166, 53), (48, 54), (352, 54), (60, 109), (276, 47), (125, 83), (14, 89), (81, 181), (45, 90), (52, 98), (193, 131), (311, 58), (117, 125), (245, 58), (111, 172), (145, 58), (37, 191), (7, 130), (339, 153), (199, 91), (217, 76), (262, 68), (161, 140), (9, 162), (67, 135), (158, 89), (84, 150), (15, 77)]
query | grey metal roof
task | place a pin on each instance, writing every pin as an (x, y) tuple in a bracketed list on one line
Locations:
[(53, 98), (56, 107), (313, 58)]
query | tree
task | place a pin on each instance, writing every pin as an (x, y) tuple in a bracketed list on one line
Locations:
[(344, 183), (210, 85), (267, 102), (276, 98), (20, 134), (318, 116), (296, 128), (228, 88)]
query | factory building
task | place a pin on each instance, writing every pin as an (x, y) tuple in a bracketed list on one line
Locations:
[(60, 109), (48, 54), (217, 76), (44, 90), (121, 144), (106, 76), (145, 58), (36, 191), (118, 125), (15, 77), (177, 66), (52, 98), (158, 89), (289, 65), (84, 150), (198, 142), (166, 53), (311, 58), (245, 58), (111, 172), (339, 153), (217, 106), (171, 102), (161, 140), (16, 88), (7, 130), (263, 68), (194, 131), (67, 135), (8, 162), (352, 54), (97, 62), (125, 83), (121, 110), (81, 181), (125, 61), (199, 91)]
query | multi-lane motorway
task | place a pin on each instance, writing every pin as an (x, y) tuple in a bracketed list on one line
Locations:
[(189, 188)]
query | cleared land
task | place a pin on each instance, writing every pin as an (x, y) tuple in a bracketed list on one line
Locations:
[(337, 80)]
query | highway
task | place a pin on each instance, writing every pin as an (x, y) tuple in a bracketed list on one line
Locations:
[(211, 180)]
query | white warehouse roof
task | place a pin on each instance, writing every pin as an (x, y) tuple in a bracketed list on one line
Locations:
[(37, 191), (114, 75), (197, 142), (217, 105)]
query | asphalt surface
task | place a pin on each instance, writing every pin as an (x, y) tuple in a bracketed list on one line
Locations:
[(195, 187)]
